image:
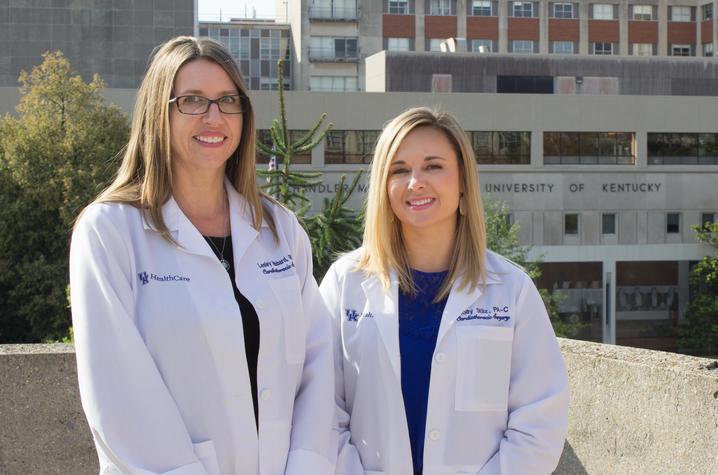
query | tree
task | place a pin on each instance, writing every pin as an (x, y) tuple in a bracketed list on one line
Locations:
[(335, 228), (55, 157), (699, 329)]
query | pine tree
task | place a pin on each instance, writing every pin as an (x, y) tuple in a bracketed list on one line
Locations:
[(336, 228)]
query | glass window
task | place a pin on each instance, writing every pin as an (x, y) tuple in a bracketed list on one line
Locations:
[(707, 218), (680, 13), (608, 223), (504, 147), (673, 223), (570, 223), (642, 49), (602, 11), (523, 9), (332, 48), (589, 148), (680, 50), (707, 12), (642, 12), (562, 47), (481, 8), (398, 44), (563, 10), (398, 7), (482, 46), (333, 83), (522, 46), (441, 7), (349, 146), (707, 49), (434, 44), (602, 48)]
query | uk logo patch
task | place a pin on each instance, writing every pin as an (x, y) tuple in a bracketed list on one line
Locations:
[(144, 278), (352, 315)]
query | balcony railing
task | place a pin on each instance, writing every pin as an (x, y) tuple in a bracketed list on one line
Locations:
[(332, 14), (331, 55)]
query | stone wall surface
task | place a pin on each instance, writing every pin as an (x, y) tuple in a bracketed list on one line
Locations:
[(632, 411)]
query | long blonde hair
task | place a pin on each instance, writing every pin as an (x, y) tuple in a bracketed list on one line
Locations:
[(144, 179), (383, 247)]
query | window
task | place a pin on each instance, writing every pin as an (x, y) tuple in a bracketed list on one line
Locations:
[(333, 9), (682, 149), (511, 148), (707, 49), (397, 7), (707, 12), (608, 223), (602, 11), (434, 44), (563, 10), (481, 8), (602, 48), (680, 13), (264, 136), (349, 146), (333, 83), (562, 47), (642, 49), (442, 7), (642, 12), (673, 223), (482, 46), (680, 50), (589, 148), (707, 218), (570, 223), (522, 46), (398, 44), (523, 9), (331, 48), (524, 84)]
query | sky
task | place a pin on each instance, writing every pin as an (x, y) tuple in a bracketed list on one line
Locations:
[(210, 9)]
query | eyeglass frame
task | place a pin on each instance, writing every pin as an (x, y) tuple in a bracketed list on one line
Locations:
[(243, 99)]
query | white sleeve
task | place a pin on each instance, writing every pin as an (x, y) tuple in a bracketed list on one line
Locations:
[(538, 394), (348, 460), (312, 445), (133, 418)]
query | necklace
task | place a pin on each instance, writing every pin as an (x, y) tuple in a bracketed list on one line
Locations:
[(225, 263)]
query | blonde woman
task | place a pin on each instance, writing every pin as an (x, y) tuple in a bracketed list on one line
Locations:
[(446, 362), (203, 346)]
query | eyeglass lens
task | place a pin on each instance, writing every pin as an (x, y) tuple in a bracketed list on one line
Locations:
[(200, 105)]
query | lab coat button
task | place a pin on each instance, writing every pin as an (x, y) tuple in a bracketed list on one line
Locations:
[(266, 394), (434, 434), (440, 357)]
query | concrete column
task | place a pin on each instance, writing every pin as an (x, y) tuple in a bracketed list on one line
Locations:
[(420, 41), (623, 28), (536, 148), (699, 41), (503, 27), (583, 28), (609, 301), (461, 9), (662, 28), (543, 27), (641, 149)]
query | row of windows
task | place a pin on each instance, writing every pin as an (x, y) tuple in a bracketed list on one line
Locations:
[(597, 11), (572, 223), (559, 148), (333, 48), (333, 9)]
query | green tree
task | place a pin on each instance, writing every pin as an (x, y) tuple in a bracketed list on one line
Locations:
[(699, 329), (55, 156), (335, 228)]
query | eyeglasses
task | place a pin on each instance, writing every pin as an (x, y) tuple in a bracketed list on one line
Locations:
[(198, 105)]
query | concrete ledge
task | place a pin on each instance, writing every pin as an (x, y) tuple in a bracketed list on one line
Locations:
[(632, 411)]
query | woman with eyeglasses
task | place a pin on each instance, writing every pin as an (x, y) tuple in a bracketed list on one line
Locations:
[(203, 346), (446, 362)]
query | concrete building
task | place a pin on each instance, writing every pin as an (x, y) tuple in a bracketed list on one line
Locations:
[(257, 45), (332, 37), (113, 38)]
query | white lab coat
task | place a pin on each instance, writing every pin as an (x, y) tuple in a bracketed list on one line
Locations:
[(498, 397), (160, 349)]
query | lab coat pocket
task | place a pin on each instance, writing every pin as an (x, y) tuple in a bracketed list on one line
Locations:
[(483, 368), (206, 454), (288, 293)]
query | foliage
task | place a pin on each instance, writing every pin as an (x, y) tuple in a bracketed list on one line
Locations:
[(335, 228), (55, 157), (699, 329)]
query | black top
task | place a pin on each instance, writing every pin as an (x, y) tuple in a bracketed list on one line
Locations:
[(250, 320)]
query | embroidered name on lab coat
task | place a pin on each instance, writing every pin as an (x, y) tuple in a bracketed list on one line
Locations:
[(354, 316), (283, 264), (500, 313), (145, 278)]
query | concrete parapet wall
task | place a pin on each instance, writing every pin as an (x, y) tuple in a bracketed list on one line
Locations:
[(632, 411)]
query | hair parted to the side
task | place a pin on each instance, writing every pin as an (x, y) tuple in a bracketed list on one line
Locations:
[(383, 246), (144, 179)]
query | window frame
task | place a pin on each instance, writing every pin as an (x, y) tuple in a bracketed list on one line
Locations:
[(613, 223), (481, 9), (524, 43), (601, 7), (566, 217), (398, 7), (522, 9), (707, 12), (710, 220), (563, 43), (604, 51), (636, 51), (563, 13), (681, 18), (476, 41), (683, 48), (673, 227)]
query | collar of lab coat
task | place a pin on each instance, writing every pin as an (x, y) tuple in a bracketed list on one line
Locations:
[(190, 239), (384, 306)]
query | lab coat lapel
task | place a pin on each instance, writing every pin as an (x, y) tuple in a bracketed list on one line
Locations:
[(184, 232), (243, 232), (385, 308)]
